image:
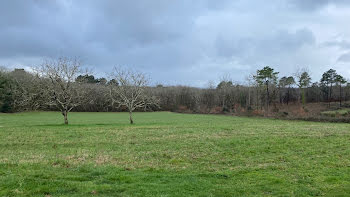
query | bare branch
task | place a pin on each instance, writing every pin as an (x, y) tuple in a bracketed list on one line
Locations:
[(130, 90)]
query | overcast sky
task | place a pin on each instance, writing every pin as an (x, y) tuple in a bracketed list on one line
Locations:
[(188, 42)]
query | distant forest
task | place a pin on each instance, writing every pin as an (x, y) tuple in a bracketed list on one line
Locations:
[(62, 85)]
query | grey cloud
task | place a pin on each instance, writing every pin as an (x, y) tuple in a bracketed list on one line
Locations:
[(343, 44), (253, 50), (344, 58), (317, 4), (189, 41), (310, 4)]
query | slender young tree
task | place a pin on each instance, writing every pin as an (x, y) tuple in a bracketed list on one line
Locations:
[(250, 82), (328, 78), (303, 81), (282, 86), (287, 82), (340, 81), (129, 90), (266, 77)]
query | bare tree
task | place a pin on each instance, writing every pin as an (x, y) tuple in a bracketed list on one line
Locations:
[(58, 77), (250, 83), (303, 80), (129, 90), (224, 89)]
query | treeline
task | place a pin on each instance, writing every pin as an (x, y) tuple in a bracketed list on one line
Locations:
[(78, 91)]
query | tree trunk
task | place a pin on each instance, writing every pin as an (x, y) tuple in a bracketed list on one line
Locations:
[(330, 92), (249, 97), (268, 96), (288, 95), (330, 96), (303, 100), (65, 115), (223, 104), (340, 95), (257, 98), (280, 95), (130, 115)]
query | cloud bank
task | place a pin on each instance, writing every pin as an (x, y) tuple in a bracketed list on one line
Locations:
[(180, 42)]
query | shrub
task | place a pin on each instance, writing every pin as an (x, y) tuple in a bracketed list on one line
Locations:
[(216, 110)]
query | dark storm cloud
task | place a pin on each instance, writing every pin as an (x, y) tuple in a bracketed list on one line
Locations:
[(177, 42), (148, 34)]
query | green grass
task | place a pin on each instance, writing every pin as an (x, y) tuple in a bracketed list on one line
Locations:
[(339, 112), (169, 154)]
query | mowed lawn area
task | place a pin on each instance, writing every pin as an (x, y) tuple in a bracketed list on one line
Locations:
[(170, 154)]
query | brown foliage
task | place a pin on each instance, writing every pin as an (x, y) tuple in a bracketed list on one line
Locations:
[(216, 110)]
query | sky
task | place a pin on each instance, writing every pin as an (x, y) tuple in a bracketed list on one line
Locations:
[(181, 42)]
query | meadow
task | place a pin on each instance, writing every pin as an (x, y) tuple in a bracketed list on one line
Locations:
[(170, 154)]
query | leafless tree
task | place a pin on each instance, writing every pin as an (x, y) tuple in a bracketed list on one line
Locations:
[(250, 83), (226, 93), (303, 81), (58, 77), (129, 90)]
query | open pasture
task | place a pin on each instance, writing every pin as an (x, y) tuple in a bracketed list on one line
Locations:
[(169, 154)]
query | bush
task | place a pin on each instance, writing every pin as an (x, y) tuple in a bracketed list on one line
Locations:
[(258, 112), (6, 99), (183, 109), (283, 114), (216, 110)]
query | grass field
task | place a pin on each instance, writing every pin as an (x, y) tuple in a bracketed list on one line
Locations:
[(169, 154)]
